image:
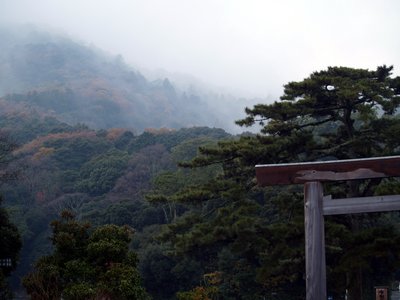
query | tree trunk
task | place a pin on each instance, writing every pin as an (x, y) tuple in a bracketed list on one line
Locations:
[(356, 285)]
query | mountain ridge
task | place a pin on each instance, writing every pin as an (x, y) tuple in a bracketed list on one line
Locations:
[(81, 84)]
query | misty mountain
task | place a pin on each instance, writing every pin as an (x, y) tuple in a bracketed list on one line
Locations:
[(59, 77)]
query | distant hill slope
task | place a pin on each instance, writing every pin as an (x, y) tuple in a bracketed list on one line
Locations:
[(80, 84)]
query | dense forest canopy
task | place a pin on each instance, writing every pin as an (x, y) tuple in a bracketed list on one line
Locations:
[(99, 176), (86, 264), (253, 238), (180, 208)]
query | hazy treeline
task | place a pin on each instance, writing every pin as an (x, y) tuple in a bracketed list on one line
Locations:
[(177, 213)]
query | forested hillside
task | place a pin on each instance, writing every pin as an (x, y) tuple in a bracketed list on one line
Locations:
[(247, 242), (113, 194), (90, 135), (100, 176), (75, 83)]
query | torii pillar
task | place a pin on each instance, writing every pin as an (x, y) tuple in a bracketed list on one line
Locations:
[(312, 175)]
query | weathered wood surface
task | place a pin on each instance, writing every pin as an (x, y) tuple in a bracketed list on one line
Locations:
[(360, 205), (316, 205), (338, 170), (314, 241)]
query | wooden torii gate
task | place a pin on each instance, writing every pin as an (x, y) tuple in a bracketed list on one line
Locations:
[(312, 175)]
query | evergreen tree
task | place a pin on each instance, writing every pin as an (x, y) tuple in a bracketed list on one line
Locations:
[(254, 236), (86, 264)]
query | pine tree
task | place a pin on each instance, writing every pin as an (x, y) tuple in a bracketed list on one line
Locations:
[(338, 113)]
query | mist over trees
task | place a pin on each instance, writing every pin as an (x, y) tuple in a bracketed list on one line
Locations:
[(250, 241), (107, 207), (57, 76)]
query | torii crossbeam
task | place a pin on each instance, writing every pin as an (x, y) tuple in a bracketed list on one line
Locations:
[(312, 174)]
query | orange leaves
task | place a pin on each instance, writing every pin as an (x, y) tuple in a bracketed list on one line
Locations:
[(39, 142), (114, 133), (42, 153)]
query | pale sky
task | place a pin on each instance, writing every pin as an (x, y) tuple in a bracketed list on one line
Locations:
[(252, 46)]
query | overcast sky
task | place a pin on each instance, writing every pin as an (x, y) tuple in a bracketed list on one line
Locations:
[(254, 46)]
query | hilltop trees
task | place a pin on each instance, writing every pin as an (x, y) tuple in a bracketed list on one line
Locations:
[(254, 237), (348, 111)]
